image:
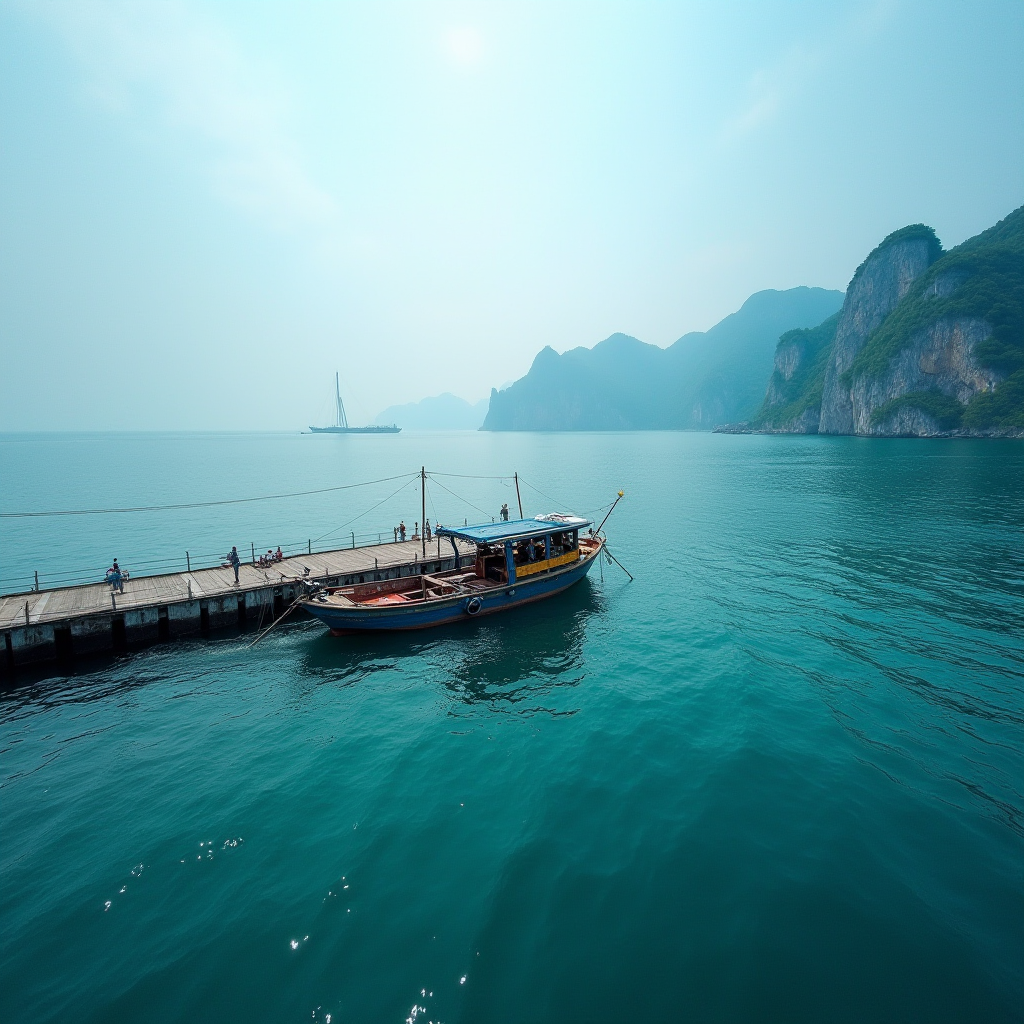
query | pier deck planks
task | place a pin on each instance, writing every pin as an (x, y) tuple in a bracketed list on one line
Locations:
[(153, 591)]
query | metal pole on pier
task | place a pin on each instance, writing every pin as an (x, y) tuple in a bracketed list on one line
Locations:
[(423, 506), (37, 580), (520, 500), (188, 562)]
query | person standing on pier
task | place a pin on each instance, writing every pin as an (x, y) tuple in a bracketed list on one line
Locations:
[(234, 561), (401, 529), (115, 577), (504, 513)]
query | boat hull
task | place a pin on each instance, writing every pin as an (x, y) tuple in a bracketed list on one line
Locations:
[(356, 430), (442, 611)]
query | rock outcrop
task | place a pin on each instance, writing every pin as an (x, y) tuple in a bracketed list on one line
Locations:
[(879, 284)]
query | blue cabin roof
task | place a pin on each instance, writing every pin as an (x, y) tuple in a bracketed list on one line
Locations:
[(517, 529)]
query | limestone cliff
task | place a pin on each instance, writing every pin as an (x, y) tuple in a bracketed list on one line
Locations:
[(926, 343), (950, 356), (878, 285)]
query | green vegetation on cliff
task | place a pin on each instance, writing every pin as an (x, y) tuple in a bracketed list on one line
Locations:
[(910, 232), (982, 279), (802, 391), (1000, 409), (944, 409)]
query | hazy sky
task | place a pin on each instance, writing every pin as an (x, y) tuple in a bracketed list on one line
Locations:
[(207, 209)]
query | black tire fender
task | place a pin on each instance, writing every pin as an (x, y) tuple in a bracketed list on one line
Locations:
[(473, 605)]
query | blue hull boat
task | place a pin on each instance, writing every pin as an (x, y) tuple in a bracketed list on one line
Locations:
[(516, 563)]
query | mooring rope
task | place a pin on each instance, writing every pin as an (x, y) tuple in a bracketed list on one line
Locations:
[(277, 620)]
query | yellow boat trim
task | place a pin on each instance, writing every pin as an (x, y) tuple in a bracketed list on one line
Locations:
[(550, 563)]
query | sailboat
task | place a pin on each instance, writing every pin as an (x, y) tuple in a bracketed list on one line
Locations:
[(341, 420)]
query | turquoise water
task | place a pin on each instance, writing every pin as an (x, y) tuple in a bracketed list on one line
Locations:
[(777, 778)]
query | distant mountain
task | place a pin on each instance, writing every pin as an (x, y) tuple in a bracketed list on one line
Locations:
[(442, 412), (926, 343), (702, 380)]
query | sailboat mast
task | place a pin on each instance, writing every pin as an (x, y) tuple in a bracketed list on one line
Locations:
[(340, 411)]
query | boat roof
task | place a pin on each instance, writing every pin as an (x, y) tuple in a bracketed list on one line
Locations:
[(517, 529)]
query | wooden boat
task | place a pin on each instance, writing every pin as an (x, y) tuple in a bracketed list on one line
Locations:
[(516, 562)]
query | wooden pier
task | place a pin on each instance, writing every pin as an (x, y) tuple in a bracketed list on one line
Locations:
[(61, 624)]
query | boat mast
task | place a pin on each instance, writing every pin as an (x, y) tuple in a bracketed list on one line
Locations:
[(520, 500), (342, 419), (423, 506), (605, 520)]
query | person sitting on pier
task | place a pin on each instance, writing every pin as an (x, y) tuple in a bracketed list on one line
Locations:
[(278, 556)]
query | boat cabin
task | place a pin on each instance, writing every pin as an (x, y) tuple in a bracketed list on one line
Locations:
[(516, 550)]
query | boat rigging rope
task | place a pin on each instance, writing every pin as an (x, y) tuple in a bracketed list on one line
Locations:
[(200, 504), (349, 522), (471, 476), (459, 496), (433, 510), (562, 504)]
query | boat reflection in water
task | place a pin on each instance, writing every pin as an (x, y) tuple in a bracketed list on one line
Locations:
[(511, 664)]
